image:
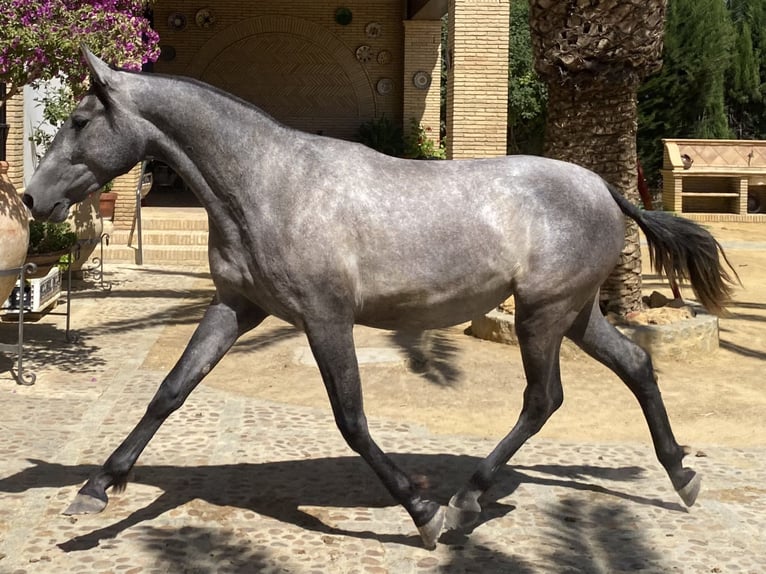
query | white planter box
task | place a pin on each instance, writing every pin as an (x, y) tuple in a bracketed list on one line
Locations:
[(39, 294)]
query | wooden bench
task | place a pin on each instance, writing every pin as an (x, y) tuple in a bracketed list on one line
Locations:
[(714, 176)]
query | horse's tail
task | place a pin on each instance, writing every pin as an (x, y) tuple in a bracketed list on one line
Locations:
[(681, 249)]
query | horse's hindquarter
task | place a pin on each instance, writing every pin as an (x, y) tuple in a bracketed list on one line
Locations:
[(450, 241)]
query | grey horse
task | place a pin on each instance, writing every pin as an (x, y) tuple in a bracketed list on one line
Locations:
[(326, 234)]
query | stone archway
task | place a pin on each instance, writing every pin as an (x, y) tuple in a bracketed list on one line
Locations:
[(295, 70)]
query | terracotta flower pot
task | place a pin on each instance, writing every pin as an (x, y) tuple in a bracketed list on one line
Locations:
[(44, 262), (106, 202), (14, 231)]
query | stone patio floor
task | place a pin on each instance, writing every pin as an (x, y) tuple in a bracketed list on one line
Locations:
[(233, 484)]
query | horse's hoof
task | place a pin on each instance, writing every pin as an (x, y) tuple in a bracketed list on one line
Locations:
[(430, 531), (689, 492), (85, 504), (462, 517)]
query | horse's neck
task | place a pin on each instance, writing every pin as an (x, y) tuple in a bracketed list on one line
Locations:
[(213, 140)]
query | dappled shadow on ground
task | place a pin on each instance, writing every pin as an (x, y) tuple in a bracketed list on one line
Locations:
[(281, 490), (735, 311), (598, 538), (45, 337), (46, 346), (187, 313), (264, 340), (740, 350), (203, 551), (430, 354), (175, 271), (748, 305)]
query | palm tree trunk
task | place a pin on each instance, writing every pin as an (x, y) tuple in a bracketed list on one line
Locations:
[(594, 124)]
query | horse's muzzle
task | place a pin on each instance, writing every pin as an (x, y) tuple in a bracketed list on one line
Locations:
[(57, 213)]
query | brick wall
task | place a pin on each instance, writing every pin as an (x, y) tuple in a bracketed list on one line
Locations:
[(256, 49), (422, 53), (477, 83), (292, 58)]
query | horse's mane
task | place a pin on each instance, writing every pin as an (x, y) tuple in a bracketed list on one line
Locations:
[(199, 84)]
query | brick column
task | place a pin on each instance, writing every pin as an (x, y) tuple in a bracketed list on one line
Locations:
[(672, 188), (15, 143), (477, 81), (125, 188), (743, 188), (422, 53)]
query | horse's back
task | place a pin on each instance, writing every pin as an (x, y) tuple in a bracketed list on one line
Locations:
[(438, 243)]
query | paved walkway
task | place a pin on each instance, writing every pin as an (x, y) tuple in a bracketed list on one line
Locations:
[(233, 484)]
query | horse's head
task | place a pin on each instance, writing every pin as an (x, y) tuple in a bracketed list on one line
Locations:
[(98, 142)]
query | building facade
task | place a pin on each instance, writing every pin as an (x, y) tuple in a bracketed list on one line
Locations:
[(326, 67)]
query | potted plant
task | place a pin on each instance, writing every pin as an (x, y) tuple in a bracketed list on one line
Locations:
[(48, 243), (107, 199)]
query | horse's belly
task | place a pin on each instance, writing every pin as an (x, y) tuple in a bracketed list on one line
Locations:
[(429, 310)]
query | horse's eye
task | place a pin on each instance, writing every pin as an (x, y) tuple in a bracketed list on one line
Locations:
[(79, 123)]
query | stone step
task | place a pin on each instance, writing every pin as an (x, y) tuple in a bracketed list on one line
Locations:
[(160, 237), (170, 236), (157, 254), (180, 219)]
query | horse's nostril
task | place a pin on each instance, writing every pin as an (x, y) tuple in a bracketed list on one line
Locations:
[(27, 200)]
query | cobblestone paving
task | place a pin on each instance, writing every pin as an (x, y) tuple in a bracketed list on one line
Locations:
[(232, 484)]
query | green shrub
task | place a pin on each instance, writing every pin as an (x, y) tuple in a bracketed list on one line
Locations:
[(382, 135), (47, 237)]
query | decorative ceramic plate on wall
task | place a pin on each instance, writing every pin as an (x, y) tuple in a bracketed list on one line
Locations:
[(373, 29), (204, 18), (364, 54), (384, 86), (176, 21), (421, 80)]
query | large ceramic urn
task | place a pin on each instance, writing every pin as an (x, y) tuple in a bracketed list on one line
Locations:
[(14, 232), (86, 222)]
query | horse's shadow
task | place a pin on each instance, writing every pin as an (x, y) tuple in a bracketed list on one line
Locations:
[(279, 489)]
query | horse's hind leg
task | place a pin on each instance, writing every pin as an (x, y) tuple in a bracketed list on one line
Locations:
[(333, 349), (219, 329), (593, 333), (540, 333)]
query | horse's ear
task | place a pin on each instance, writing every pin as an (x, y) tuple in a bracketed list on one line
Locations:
[(100, 73)]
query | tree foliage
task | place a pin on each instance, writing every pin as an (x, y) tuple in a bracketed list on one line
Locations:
[(41, 39), (527, 96), (711, 83), (744, 81)]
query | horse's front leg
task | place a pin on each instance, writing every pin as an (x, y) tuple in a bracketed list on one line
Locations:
[(222, 324), (333, 349)]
